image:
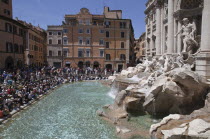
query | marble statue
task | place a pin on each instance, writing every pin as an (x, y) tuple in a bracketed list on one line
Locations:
[(188, 31)]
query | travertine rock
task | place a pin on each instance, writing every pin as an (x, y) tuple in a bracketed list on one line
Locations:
[(193, 126), (179, 91), (112, 78), (134, 104), (165, 120), (120, 97), (197, 128)]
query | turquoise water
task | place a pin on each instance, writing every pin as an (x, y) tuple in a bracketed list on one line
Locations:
[(68, 113)]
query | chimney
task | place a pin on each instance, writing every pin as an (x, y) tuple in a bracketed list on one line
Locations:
[(106, 9)]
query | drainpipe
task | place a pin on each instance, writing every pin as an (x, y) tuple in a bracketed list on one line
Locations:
[(13, 40), (62, 48)]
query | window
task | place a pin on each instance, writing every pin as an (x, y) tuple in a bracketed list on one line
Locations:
[(87, 22), (35, 48), (108, 57), (65, 41), (59, 41), (21, 33), (50, 41), (107, 24), (101, 31), (9, 47), (80, 30), (14, 29), (59, 33), (8, 27), (101, 53), (122, 24), (65, 30), (88, 41), (32, 37), (6, 12), (94, 23), (65, 53), (87, 52), (80, 41), (107, 44), (107, 34), (101, 42), (50, 53), (122, 45), (55, 33), (88, 31), (16, 48), (122, 34), (143, 52), (80, 21), (122, 57), (59, 53), (21, 49), (5, 1), (50, 33), (80, 52)]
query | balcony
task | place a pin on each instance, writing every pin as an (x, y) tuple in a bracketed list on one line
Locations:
[(54, 57)]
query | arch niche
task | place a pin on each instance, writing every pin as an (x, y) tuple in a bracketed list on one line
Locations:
[(9, 63), (80, 64), (96, 64), (188, 4)]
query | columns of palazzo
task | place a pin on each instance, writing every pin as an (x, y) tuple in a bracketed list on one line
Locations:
[(147, 44), (162, 32), (170, 27), (175, 38), (158, 31), (179, 40), (205, 41), (151, 41), (203, 58)]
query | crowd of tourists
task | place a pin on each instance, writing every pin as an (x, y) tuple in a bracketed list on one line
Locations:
[(19, 87)]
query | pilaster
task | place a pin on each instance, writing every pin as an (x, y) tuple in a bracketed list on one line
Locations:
[(203, 58)]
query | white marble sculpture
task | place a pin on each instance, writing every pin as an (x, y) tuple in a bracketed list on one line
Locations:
[(188, 31)]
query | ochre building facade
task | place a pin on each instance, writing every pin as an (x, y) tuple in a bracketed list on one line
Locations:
[(20, 43), (12, 40), (95, 41)]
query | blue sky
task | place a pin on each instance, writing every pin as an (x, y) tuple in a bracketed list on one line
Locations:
[(51, 12)]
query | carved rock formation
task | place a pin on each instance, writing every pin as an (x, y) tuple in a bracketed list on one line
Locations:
[(193, 126), (179, 91)]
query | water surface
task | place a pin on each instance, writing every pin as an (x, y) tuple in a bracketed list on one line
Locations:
[(68, 113)]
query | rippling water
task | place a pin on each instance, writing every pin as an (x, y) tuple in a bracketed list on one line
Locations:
[(68, 113)]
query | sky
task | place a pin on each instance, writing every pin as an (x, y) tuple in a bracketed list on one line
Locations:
[(51, 12)]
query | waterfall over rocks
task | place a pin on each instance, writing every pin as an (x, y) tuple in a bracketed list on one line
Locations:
[(163, 86)]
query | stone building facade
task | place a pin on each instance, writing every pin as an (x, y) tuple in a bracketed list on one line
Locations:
[(55, 46), (89, 40), (164, 20), (12, 40), (140, 49)]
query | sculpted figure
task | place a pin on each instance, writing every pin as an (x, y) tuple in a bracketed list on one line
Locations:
[(151, 65), (188, 31), (168, 64)]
